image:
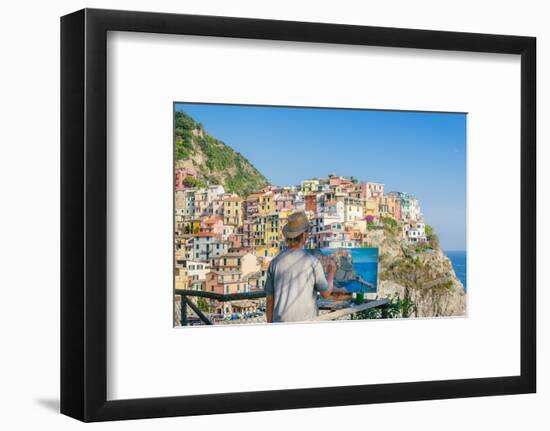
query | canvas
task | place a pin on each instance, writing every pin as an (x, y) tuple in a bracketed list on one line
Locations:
[(383, 192)]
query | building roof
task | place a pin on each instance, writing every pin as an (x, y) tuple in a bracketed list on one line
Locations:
[(234, 254), (211, 220), (206, 234), (220, 272), (233, 199)]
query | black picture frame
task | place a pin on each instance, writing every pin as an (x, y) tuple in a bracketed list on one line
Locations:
[(84, 214)]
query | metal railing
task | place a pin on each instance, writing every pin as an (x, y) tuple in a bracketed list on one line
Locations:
[(185, 302)]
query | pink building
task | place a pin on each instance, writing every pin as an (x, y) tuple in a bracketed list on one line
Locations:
[(284, 202), (181, 174), (212, 225), (334, 181), (236, 241)]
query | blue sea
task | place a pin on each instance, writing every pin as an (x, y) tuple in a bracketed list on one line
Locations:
[(458, 259)]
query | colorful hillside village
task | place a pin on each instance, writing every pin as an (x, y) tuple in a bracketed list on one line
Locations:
[(224, 243)]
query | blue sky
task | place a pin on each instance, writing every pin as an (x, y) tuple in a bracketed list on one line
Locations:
[(421, 153)]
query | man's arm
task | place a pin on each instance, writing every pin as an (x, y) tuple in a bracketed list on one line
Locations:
[(324, 285), (269, 308), (331, 270), (269, 294)]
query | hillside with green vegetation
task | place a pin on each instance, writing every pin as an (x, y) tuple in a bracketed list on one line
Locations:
[(215, 162)]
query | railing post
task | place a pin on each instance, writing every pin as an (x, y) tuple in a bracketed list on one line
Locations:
[(198, 312), (183, 310)]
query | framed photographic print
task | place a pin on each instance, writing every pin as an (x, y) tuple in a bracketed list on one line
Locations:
[(269, 196)]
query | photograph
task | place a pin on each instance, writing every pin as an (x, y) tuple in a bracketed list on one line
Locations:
[(306, 214)]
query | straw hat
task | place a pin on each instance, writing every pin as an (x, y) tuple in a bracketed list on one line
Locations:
[(297, 224)]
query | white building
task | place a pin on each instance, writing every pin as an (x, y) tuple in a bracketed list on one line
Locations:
[(194, 203), (414, 210), (337, 237), (299, 202), (228, 230), (373, 190), (320, 226), (208, 245), (353, 211), (414, 232), (334, 209), (196, 272)]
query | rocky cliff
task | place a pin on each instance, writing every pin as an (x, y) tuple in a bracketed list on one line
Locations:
[(425, 275)]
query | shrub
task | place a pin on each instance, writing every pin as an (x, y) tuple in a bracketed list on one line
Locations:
[(397, 307)]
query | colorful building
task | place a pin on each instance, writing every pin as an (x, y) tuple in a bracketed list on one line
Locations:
[(414, 232), (284, 202), (267, 235), (181, 174), (205, 246), (311, 202), (353, 210), (371, 208), (389, 206), (233, 211), (310, 186), (266, 203), (373, 190), (244, 262), (213, 224)]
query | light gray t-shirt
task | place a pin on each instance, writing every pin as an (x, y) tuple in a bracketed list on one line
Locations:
[(293, 278)]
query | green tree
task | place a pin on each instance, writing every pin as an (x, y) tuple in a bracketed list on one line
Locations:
[(194, 182), (431, 236), (203, 305)]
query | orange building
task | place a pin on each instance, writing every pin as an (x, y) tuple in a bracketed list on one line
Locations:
[(311, 203), (389, 206)]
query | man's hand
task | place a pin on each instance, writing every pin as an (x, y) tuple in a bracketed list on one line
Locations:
[(331, 270)]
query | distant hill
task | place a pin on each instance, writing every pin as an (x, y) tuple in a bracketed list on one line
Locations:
[(215, 162)]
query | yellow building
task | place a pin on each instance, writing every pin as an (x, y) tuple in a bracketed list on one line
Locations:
[(233, 211), (309, 186), (267, 235), (182, 277), (371, 207), (353, 211), (266, 204), (191, 226)]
